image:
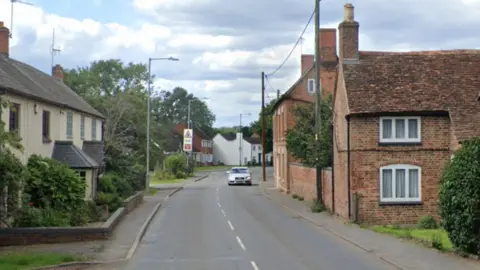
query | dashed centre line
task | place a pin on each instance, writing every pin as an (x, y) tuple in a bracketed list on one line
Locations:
[(241, 243), (254, 265), (231, 226), (223, 212)]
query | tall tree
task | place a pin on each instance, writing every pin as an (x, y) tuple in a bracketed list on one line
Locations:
[(256, 126)]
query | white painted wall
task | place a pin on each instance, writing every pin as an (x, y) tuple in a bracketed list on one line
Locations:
[(228, 151)]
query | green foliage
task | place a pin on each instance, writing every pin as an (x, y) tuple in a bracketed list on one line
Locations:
[(112, 200), (460, 197), (427, 223), (256, 126), (301, 139), (29, 216), (114, 183), (53, 184), (12, 177), (317, 206), (177, 165), (8, 138)]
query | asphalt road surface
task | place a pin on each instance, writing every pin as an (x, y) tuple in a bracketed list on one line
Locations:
[(211, 226)]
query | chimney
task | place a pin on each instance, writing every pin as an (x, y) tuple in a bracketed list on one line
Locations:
[(348, 35), (328, 44), (4, 40), (57, 72), (306, 63)]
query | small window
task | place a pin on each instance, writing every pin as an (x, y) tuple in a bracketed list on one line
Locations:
[(46, 125), (400, 129), (69, 125), (259, 148), (400, 183), (14, 124), (253, 148), (311, 86), (94, 129), (82, 127), (82, 174)]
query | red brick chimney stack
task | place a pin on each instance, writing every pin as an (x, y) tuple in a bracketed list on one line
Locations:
[(348, 35), (4, 39), (57, 72), (328, 44)]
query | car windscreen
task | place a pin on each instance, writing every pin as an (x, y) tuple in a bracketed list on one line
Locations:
[(239, 171)]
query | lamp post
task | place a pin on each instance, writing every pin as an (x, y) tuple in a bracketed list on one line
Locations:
[(241, 139), (147, 176), (189, 125)]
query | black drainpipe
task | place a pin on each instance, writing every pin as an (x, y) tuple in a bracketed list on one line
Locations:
[(348, 169), (333, 170)]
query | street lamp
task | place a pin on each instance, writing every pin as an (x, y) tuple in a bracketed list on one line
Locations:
[(241, 139), (147, 177), (188, 126)]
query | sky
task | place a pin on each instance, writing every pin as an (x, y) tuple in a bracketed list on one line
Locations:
[(224, 45)]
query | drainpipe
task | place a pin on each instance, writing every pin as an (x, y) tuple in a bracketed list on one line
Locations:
[(348, 169), (333, 170)]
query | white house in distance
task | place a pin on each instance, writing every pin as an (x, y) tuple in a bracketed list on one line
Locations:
[(226, 149)]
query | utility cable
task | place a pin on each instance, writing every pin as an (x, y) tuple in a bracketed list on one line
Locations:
[(296, 44)]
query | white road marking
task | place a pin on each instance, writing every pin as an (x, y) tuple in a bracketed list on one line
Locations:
[(254, 265), (217, 189), (218, 203), (231, 226), (240, 243), (223, 212)]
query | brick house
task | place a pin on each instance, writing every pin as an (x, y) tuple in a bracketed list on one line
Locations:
[(202, 144), (286, 167), (398, 117)]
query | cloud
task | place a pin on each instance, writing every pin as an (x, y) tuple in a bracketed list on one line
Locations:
[(224, 45)]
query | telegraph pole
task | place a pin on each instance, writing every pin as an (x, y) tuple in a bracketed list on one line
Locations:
[(264, 175), (318, 97)]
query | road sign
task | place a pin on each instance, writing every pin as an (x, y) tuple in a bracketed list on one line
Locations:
[(187, 140)]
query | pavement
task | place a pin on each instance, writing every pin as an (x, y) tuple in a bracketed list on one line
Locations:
[(209, 225)]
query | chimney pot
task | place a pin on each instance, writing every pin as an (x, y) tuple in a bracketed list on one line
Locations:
[(4, 40), (57, 72), (348, 12)]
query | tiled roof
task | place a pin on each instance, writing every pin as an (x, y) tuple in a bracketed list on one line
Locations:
[(253, 140), (94, 149), (25, 80), (229, 136), (447, 81), (73, 156)]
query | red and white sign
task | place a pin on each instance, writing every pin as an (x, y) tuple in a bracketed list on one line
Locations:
[(187, 140)]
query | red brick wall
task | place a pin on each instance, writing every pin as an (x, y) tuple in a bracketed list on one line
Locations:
[(367, 157), (303, 183)]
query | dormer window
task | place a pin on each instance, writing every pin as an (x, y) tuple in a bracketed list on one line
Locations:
[(400, 130)]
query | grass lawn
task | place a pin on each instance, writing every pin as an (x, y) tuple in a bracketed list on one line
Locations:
[(211, 168), (417, 234), (20, 261)]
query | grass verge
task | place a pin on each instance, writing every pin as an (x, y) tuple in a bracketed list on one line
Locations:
[(171, 181), (436, 238), (211, 168), (21, 261)]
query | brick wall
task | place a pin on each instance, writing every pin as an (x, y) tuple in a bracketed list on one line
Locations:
[(303, 183), (367, 157)]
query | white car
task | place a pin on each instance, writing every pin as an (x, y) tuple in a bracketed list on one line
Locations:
[(239, 175)]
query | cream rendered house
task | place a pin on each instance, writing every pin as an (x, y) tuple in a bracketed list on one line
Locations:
[(52, 120)]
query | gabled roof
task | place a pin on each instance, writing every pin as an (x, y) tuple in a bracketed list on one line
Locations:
[(73, 156), (432, 81), (22, 79), (253, 140), (229, 136), (290, 90)]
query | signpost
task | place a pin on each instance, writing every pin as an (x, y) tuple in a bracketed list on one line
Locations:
[(187, 140)]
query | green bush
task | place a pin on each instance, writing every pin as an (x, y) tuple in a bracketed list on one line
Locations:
[(317, 206), (112, 200), (177, 164), (29, 216), (53, 184), (459, 197), (427, 223), (12, 177), (114, 183)]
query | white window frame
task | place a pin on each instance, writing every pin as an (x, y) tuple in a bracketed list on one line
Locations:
[(311, 90), (402, 140), (94, 129), (69, 131), (82, 127), (406, 167)]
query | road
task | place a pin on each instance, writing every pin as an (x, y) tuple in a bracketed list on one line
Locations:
[(211, 226)]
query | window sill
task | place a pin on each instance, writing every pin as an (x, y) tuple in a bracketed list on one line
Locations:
[(47, 140), (400, 203), (399, 143)]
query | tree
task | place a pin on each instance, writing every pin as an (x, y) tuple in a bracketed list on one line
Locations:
[(459, 197), (301, 138), (256, 127)]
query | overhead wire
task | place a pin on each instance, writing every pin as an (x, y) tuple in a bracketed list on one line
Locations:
[(295, 46)]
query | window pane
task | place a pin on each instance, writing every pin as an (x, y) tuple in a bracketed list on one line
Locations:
[(412, 128), (387, 184), (399, 128), (400, 183), (413, 183), (387, 128)]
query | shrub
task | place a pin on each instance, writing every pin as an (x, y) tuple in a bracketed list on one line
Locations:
[(427, 223), (177, 164), (54, 184), (29, 216), (12, 177), (114, 183), (112, 200), (459, 197), (317, 206)]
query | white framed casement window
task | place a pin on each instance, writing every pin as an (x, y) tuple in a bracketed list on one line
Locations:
[(400, 183), (311, 86), (400, 129)]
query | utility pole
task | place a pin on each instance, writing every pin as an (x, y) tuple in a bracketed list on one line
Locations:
[(264, 175), (318, 97), (240, 134)]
